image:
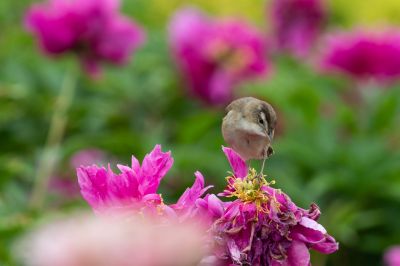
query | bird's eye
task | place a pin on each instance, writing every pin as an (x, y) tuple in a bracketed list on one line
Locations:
[(261, 121)]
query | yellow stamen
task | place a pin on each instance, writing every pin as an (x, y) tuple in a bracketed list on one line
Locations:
[(250, 189)]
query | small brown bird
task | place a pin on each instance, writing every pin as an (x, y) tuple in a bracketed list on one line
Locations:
[(248, 128)]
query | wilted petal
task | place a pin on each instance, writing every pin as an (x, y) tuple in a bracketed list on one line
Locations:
[(311, 224), (313, 212), (232, 210), (234, 251), (315, 235), (298, 254), (309, 231), (328, 246)]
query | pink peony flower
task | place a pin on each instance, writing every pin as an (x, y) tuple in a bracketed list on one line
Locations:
[(92, 29), (297, 24), (263, 226), (215, 56), (85, 240), (363, 55), (134, 188), (392, 256)]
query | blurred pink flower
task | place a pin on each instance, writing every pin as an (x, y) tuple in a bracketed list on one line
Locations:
[(92, 29), (363, 55), (215, 56), (392, 256), (87, 241), (263, 226), (63, 184), (88, 157), (297, 24), (134, 188)]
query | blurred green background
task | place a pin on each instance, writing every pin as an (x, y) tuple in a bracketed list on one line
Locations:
[(341, 154)]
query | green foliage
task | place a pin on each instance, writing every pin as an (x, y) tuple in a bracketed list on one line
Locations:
[(340, 154)]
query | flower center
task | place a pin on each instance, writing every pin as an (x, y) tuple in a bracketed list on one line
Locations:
[(232, 59), (250, 189)]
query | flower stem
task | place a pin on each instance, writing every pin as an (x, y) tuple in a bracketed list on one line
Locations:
[(262, 166), (49, 157)]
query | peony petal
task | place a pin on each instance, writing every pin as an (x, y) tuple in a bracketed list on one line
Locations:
[(215, 205), (311, 224), (154, 167), (125, 186), (234, 251), (189, 197), (232, 210), (238, 165), (135, 165), (328, 246), (93, 183), (298, 254)]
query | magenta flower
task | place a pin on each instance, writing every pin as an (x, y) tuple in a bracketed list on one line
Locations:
[(215, 56), (392, 256), (263, 226), (363, 55), (297, 24), (135, 188), (92, 29)]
